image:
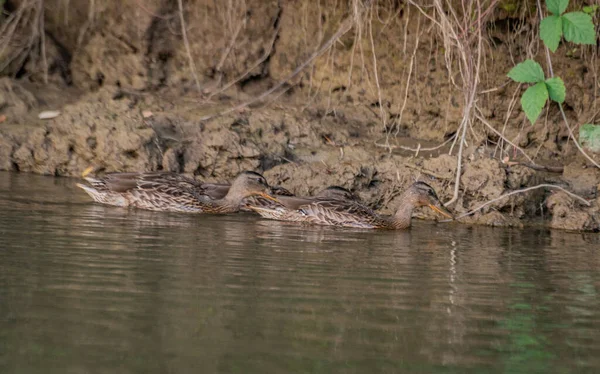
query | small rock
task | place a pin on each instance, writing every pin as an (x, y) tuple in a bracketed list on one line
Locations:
[(49, 114)]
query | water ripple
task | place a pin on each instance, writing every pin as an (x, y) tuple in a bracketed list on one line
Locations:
[(85, 287)]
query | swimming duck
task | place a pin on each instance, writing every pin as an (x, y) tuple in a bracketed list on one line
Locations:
[(219, 190), (331, 192), (337, 192), (350, 213), (172, 192)]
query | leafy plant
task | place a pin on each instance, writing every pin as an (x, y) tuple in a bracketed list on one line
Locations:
[(589, 137), (590, 9), (576, 27), (535, 97)]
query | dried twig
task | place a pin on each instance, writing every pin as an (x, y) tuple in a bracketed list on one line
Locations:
[(486, 123), (43, 42), (381, 111), (88, 23), (345, 26), (549, 169), (418, 149), (562, 111), (231, 44), (511, 105), (578, 198), (428, 172), (26, 16), (262, 59), (530, 164), (410, 69), (140, 4), (469, 69), (187, 46)]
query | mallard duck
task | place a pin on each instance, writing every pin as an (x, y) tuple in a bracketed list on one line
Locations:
[(214, 190), (219, 190), (289, 200), (337, 192), (349, 213), (174, 192)]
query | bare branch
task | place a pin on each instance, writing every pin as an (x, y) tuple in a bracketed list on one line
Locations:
[(345, 26), (578, 198), (187, 46)]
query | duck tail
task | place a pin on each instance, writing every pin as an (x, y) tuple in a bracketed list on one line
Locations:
[(93, 181), (94, 193)]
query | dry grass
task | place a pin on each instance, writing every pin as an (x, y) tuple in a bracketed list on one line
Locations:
[(22, 37), (187, 46), (462, 33)]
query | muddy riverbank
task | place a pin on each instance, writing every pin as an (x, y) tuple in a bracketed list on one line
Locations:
[(130, 101), (298, 149)]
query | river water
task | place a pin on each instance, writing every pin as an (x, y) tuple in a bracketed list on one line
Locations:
[(91, 289)]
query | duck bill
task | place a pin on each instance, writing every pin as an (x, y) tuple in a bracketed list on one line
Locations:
[(87, 171), (441, 211), (266, 196)]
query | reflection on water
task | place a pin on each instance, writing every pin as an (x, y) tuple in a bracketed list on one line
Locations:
[(88, 288)]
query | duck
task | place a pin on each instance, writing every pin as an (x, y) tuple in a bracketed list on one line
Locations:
[(290, 200), (171, 192), (343, 212), (337, 192), (219, 190)]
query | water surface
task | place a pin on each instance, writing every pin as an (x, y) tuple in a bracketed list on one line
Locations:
[(91, 289)]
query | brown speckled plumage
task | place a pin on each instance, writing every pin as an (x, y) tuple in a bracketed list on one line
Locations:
[(270, 209), (174, 192), (350, 213)]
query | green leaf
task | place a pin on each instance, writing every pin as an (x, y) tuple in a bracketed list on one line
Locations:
[(579, 28), (533, 101), (590, 9), (557, 7), (589, 137), (551, 31), (556, 89), (527, 71)]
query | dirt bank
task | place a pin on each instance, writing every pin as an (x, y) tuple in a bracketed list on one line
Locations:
[(130, 100)]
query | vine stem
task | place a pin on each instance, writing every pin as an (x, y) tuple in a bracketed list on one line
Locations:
[(562, 111), (487, 124)]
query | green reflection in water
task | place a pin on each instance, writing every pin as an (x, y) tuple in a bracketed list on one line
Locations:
[(526, 350)]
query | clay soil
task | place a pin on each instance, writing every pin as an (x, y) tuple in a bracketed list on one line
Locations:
[(130, 100)]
